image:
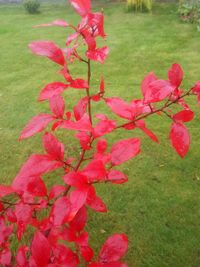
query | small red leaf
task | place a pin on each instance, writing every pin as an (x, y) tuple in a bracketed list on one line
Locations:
[(56, 190), (116, 177), (60, 211), (180, 138), (59, 23), (120, 107), (80, 108), (48, 49), (95, 170), (146, 82), (40, 249), (82, 7), (114, 248), (184, 116), (36, 125), (57, 106), (124, 150), (6, 190), (175, 75), (95, 202), (99, 54), (158, 90), (52, 89), (53, 147), (79, 84)]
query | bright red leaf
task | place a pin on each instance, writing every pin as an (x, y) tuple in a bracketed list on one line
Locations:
[(40, 249), (36, 125), (82, 7), (114, 248), (124, 150), (52, 89), (184, 116), (48, 49), (180, 138), (99, 54), (175, 75)]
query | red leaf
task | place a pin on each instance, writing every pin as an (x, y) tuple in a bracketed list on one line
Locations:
[(158, 90), (116, 177), (95, 202), (124, 150), (184, 116), (53, 147), (36, 187), (76, 179), (79, 84), (180, 138), (77, 199), (80, 108), (83, 124), (5, 257), (23, 212), (114, 248), (120, 107), (57, 106), (82, 7), (56, 190), (101, 146), (59, 23), (196, 88), (40, 249), (36, 165), (99, 54), (65, 256), (141, 124), (104, 126), (94, 170), (60, 211), (146, 82), (21, 257), (175, 75), (79, 221), (48, 49), (36, 125), (52, 89), (6, 190)]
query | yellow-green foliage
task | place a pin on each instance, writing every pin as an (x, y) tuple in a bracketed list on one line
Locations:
[(139, 5)]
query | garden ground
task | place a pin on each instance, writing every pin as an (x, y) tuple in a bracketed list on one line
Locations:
[(159, 208)]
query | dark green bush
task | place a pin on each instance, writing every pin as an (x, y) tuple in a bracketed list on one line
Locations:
[(189, 11), (31, 6)]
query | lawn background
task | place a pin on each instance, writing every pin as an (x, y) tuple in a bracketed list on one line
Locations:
[(159, 207)]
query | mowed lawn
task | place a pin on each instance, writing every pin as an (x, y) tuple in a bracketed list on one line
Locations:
[(159, 208)]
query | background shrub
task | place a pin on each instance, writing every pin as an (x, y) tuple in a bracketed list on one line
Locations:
[(139, 5), (31, 6)]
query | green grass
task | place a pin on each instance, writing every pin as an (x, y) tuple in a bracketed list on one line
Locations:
[(159, 208)]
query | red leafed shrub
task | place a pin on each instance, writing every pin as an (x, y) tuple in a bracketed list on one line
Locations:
[(59, 237)]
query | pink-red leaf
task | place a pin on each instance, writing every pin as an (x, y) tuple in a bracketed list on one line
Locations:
[(120, 107), (56, 190), (180, 138), (80, 108), (175, 75), (95, 170), (36, 125), (184, 116), (52, 89), (99, 54), (48, 49), (146, 82), (158, 90), (124, 150), (57, 106), (53, 147), (114, 248), (116, 177), (59, 23), (6, 190), (82, 7), (60, 211), (40, 249)]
